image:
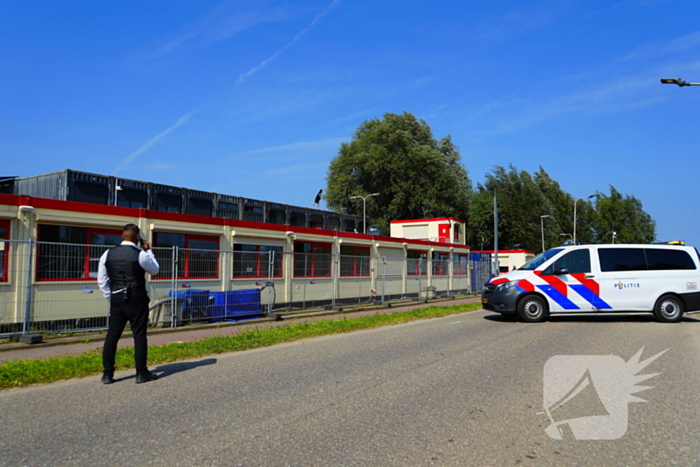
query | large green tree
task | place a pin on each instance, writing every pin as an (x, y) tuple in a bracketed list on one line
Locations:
[(624, 216), (520, 205), (416, 175)]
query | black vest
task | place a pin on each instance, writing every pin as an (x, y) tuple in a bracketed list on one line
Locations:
[(124, 269)]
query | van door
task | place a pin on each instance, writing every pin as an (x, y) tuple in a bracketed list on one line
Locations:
[(625, 281), (570, 285)]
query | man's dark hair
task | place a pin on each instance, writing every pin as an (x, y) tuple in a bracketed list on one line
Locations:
[(132, 229)]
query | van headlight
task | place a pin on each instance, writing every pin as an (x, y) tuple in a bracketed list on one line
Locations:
[(505, 286)]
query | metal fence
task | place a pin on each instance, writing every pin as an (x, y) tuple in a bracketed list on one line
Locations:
[(51, 287)]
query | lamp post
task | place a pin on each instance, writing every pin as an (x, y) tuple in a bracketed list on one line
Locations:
[(542, 228), (614, 234), (567, 235), (577, 200), (677, 81), (364, 209)]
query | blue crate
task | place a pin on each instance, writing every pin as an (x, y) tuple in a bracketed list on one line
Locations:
[(235, 305), (193, 304)]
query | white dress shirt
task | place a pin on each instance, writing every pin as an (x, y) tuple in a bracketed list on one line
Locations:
[(146, 260)]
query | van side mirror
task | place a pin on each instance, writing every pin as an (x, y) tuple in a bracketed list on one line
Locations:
[(561, 271)]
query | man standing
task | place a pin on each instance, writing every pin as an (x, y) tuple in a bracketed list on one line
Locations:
[(121, 277), (317, 200)]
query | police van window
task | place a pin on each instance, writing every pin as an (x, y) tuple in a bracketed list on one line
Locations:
[(661, 259), (539, 260), (576, 262), (622, 259)]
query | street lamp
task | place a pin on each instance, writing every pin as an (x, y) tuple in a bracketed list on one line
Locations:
[(542, 228), (577, 200), (364, 209), (678, 81), (614, 234), (567, 235)]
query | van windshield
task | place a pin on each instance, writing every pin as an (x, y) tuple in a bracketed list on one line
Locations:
[(539, 260)]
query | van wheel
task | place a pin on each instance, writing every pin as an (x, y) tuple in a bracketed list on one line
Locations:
[(668, 309), (532, 309)]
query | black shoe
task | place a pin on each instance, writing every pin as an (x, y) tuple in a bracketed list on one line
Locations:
[(107, 378), (146, 377)]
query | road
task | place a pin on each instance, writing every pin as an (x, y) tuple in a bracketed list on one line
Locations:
[(462, 390)]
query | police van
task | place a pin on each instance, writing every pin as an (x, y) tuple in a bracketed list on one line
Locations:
[(661, 279)]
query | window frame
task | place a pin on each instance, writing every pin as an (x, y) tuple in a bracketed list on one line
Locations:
[(314, 247), (184, 272), (258, 264), (416, 266), (356, 260), (442, 259), (5, 260), (87, 258)]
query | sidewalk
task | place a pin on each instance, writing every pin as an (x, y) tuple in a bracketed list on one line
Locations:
[(75, 345)]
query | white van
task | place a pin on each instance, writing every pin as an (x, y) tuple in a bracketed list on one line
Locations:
[(662, 279)]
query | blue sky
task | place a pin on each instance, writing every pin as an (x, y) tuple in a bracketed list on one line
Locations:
[(253, 97)]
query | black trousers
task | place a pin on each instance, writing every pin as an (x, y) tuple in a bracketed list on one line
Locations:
[(134, 310)]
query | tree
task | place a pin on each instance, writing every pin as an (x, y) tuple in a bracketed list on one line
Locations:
[(415, 175), (562, 220), (624, 216), (520, 205)]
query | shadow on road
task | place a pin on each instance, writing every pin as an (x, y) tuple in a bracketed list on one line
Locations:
[(163, 371)]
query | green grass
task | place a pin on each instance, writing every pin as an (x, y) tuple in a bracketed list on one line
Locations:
[(17, 373)]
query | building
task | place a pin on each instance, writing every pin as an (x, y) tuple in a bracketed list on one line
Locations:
[(509, 260), (442, 230), (50, 249)]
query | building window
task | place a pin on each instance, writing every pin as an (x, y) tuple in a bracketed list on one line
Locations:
[(198, 255), (4, 250), (440, 263), (254, 261), (461, 265), (312, 259), (132, 198), (72, 253), (417, 262), (354, 261)]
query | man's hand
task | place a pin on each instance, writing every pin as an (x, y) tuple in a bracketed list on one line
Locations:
[(145, 246)]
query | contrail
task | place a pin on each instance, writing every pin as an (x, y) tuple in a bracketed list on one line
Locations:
[(181, 121), (264, 63)]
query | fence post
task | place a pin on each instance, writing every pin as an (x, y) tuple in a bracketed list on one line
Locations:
[(383, 277), (28, 296), (335, 273), (420, 278), (173, 287), (306, 279), (271, 273)]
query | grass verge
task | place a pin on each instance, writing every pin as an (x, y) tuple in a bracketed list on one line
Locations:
[(17, 373)]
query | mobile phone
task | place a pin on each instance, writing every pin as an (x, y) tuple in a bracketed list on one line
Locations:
[(140, 240)]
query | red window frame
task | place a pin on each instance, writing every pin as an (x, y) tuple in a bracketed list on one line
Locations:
[(415, 270), (314, 247), (258, 265), (4, 261), (356, 265), (462, 262), (440, 268), (188, 256), (89, 232)]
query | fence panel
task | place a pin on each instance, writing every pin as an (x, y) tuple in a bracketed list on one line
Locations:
[(51, 287)]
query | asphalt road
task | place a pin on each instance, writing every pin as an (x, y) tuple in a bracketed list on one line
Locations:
[(462, 390)]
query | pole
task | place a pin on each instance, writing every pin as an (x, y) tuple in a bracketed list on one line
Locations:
[(364, 215), (542, 228), (28, 296), (577, 200), (496, 270)]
